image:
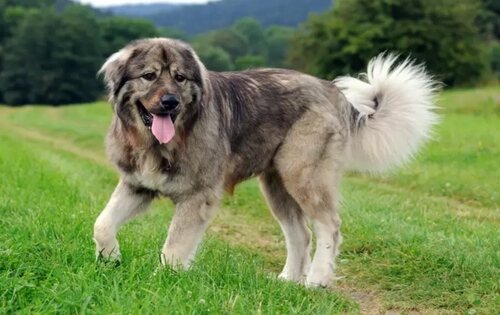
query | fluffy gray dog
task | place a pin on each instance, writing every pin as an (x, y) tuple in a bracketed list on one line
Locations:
[(183, 132)]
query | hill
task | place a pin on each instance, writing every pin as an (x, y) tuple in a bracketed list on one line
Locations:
[(200, 18), (141, 10)]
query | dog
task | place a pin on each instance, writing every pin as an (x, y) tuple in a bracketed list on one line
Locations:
[(184, 132)]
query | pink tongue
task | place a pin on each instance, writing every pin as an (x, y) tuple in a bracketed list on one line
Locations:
[(163, 128)]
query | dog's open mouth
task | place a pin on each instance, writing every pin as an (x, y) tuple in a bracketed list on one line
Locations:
[(160, 124), (147, 117)]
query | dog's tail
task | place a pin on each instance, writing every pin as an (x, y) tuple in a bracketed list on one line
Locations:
[(394, 112)]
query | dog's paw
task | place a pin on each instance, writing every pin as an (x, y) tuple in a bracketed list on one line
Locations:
[(288, 276), (108, 262), (317, 285), (174, 263), (110, 255), (318, 279)]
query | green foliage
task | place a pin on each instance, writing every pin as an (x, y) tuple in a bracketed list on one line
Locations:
[(489, 19), (252, 30), (250, 62), (278, 38), (27, 3), (441, 33), (495, 59), (233, 42), (119, 31), (215, 15), (50, 58), (247, 45), (72, 44), (51, 49), (171, 32), (214, 58)]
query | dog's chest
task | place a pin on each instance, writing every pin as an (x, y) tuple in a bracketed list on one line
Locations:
[(150, 173), (158, 174), (153, 180)]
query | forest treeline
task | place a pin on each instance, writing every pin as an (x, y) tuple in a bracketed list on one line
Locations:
[(50, 50), (197, 19)]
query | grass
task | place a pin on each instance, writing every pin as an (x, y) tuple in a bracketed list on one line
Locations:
[(424, 239)]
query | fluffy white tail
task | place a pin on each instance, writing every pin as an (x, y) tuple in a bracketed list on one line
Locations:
[(396, 112)]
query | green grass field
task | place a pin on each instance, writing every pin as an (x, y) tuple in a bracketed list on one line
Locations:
[(422, 240)]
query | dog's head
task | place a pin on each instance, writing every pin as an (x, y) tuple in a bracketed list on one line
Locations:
[(153, 82)]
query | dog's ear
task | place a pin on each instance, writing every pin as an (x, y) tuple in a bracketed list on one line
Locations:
[(114, 71), (201, 77), (192, 61)]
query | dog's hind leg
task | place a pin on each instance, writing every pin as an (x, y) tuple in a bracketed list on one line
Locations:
[(291, 219), (310, 163), (125, 203), (326, 226), (188, 225), (319, 201)]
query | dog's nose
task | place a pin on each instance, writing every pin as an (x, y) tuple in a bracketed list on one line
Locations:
[(169, 101)]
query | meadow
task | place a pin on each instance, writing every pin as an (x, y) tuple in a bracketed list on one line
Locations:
[(422, 240)]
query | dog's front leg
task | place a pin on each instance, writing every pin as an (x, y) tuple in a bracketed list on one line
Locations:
[(125, 202), (186, 230)]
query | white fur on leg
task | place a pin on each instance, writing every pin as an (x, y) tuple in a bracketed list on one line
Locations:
[(298, 241), (122, 205), (186, 231), (322, 269), (108, 249), (180, 247)]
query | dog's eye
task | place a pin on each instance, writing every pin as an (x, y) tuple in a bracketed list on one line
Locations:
[(149, 76), (179, 78)]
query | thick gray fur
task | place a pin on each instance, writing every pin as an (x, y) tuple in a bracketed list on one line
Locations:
[(290, 129)]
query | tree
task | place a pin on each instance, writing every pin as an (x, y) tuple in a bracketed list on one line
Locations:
[(495, 60), (52, 58), (247, 44), (251, 29), (9, 20), (233, 42), (214, 58), (27, 3), (249, 62), (489, 20), (171, 32), (23, 56), (77, 56), (198, 19), (277, 39), (441, 33), (119, 31), (11, 12)]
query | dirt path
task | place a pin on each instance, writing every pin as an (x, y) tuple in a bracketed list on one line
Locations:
[(58, 143)]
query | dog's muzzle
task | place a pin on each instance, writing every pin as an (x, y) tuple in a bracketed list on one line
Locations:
[(168, 105)]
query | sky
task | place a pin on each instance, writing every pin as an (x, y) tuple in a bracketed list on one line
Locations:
[(105, 3)]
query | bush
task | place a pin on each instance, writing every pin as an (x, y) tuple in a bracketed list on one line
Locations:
[(442, 33)]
